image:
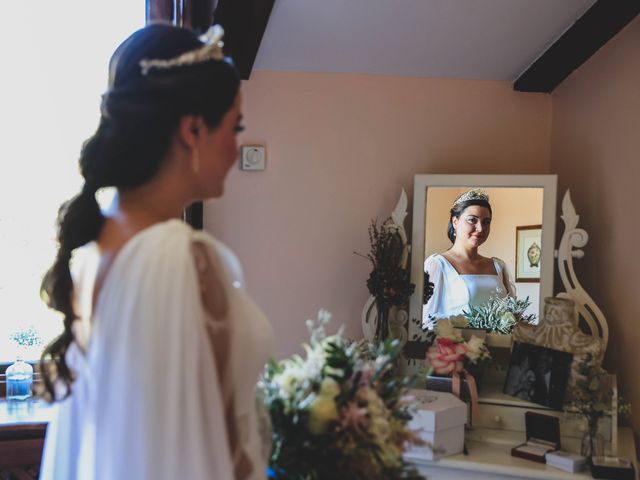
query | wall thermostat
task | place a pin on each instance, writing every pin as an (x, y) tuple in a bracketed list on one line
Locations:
[(252, 158)]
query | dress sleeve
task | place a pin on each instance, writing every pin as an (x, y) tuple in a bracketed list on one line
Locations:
[(433, 308), (160, 409), (212, 278), (507, 278)]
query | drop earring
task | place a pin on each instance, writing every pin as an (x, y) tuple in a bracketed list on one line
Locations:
[(195, 161)]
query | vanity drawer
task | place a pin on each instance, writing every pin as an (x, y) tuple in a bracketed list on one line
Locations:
[(511, 418), (502, 417)]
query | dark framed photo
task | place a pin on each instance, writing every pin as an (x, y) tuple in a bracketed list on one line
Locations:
[(528, 253), (538, 374)]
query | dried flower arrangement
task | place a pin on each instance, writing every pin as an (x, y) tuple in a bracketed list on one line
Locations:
[(389, 280), (592, 397)]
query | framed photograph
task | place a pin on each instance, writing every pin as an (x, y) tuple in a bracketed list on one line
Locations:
[(538, 374), (528, 253)]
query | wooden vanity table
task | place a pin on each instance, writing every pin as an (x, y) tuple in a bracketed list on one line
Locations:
[(22, 430)]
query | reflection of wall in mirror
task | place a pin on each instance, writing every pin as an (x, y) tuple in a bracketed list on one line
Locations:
[(511, 207)]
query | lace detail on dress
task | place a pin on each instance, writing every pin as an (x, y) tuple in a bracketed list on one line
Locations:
[(214, 298), (216, 302)]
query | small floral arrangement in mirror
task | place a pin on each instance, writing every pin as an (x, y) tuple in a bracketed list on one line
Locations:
[(499, 315), (450, 353)]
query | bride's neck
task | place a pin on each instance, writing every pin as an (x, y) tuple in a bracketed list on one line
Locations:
[(467, 254), (152, 202)]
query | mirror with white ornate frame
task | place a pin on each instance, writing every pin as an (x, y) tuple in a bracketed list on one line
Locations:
[(517, 201)]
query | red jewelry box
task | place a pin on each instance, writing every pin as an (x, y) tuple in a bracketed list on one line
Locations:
[(543, 436)]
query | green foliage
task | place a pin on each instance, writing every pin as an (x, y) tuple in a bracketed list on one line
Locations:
[(499, 315)]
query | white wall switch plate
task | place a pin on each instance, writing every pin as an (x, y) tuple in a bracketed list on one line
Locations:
[(252, 157)]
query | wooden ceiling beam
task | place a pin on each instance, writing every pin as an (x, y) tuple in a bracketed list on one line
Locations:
[(586, 36), (159, 10), (244, 23)]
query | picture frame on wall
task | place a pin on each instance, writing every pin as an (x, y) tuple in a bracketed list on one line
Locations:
[(528, 253)]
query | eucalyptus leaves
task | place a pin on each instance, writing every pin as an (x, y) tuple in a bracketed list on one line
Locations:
[(499, 315)]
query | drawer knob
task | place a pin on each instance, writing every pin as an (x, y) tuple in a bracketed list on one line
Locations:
[(497, 419)]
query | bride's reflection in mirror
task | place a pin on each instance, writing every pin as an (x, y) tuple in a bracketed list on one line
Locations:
[(465, 266)]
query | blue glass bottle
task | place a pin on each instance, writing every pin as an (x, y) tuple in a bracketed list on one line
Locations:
[(19, 380)]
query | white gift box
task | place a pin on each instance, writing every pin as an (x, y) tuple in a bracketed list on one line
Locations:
[(569, 462), (438, 420)]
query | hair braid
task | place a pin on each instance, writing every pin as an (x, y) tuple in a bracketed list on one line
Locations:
[(79, 222)]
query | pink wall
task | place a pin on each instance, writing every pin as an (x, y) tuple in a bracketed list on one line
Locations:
[(595, 150), (339, 150)]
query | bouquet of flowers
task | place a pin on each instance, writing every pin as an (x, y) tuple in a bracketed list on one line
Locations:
[(449, 353), (499, 315), (339, 413), (389, 281)]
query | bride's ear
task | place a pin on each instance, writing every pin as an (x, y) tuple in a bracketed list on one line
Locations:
[(189, 130)]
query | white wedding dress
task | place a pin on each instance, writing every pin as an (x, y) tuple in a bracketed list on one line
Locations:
[(148, 401), (454, 292)]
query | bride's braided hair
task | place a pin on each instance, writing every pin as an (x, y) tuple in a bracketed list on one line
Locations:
[(139, 114)]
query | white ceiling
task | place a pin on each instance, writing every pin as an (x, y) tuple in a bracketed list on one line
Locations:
[(474, 39)]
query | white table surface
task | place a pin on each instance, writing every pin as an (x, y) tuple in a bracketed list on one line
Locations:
[(488, 461)]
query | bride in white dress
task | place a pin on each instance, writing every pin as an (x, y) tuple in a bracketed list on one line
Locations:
[(461, 276), (162, 347)]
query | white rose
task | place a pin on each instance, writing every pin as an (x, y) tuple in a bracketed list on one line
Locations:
[(459, 321), (444, 329), (475, 348), (508, 318), (289, 380)]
